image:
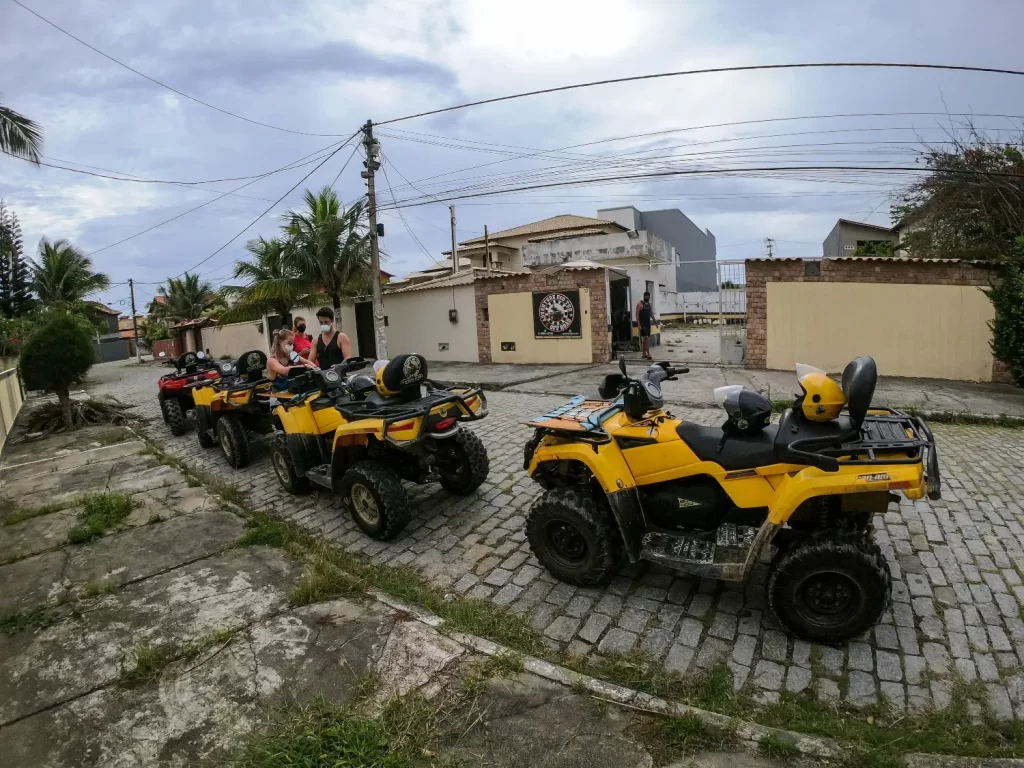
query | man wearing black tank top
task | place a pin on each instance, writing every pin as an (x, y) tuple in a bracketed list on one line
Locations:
[(332, 347)]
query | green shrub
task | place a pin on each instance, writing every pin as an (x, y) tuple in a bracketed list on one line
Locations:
[(1007, 295), (57, 354)]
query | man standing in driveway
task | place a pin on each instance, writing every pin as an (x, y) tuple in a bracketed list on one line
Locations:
[(644, 317)]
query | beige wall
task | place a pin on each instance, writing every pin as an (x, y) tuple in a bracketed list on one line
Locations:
[(348, 322), (511, 319), (931, 331), (233, 339), (418, 322), (10, 397)]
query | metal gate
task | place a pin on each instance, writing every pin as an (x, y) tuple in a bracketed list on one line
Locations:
[(732, 312)]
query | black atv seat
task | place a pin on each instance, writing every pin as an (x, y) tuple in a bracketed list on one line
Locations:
[(738, 452)]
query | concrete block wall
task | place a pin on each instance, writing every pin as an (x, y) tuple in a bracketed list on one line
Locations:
[(894, 271), (565, 280)]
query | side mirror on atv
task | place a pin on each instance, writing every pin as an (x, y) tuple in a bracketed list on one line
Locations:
[(622, 366), (353, 364), (611, 386)]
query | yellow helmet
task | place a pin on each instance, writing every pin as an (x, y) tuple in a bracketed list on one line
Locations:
[(822, 398), (401, 375)]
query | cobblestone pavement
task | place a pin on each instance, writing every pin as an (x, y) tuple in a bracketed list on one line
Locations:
[(956, 564)]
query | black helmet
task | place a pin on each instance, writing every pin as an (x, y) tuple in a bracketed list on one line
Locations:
[(361, 383), (748, 412)]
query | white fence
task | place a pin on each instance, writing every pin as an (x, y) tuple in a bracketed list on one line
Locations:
[(11, 397)]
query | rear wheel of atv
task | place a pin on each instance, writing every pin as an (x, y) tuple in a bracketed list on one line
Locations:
[(830, 588), (284, 468), (574, 538), (233, 442), (464, 464), (175, 417), (377, 499)]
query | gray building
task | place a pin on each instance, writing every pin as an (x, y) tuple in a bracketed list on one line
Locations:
[(848, 236), (695, 248)]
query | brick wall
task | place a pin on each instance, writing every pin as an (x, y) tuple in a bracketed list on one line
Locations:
[(564, 280), (759, 273)]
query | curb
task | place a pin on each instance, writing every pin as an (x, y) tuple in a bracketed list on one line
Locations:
[(498, 386)]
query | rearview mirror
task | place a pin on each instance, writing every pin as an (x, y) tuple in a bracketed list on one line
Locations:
[(622, 365), (611, 385)]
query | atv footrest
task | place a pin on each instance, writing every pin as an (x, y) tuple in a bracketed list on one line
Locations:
[(723, 557), (321, 476)]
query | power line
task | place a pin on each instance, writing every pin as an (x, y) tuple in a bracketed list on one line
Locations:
[(291, 166), (165, 85), (272, 205), (354, 150), (707, 71), (405, 223)]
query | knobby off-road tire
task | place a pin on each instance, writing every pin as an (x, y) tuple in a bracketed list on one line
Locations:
[(830, 587), (376, 498), (469, 466), (233, 442), (575, 538), (202, 427), (175, 417), (284, 468)]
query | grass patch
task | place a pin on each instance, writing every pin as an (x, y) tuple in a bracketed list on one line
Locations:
[(19, 515), (775, 747), (265, 531), (115, 436), (324, 580), (478, 674), (95, 589), (39, 617), (146, 661), (671, 738), (968, 419), (323, 734), (100, 512)]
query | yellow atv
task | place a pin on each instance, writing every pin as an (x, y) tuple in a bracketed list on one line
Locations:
[(622, 475), (236, 404), (362, 436)]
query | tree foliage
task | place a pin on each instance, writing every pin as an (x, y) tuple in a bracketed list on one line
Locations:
[(154, 329), (1007, 295), (330, 245), (58, 353), (274, 284), (970, 205), (15, 275), (20, 136), (63, 276), (188, 298)]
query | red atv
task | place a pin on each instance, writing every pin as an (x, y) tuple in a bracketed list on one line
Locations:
[(176, 388)]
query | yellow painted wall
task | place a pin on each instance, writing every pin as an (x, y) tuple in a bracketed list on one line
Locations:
[(931, 331), (418, 322), (233, 339), (511, 319)]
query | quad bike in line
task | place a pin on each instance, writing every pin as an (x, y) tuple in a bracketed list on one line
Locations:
[(362, 436), (175, 389), (623, 475), (235, 405)]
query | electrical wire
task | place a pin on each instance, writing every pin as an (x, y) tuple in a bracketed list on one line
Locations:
[(272, 205), (165, 85), (405, 223), (291, 166), (708, 71)]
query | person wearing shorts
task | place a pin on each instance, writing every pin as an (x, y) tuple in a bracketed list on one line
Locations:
[(644, 317)]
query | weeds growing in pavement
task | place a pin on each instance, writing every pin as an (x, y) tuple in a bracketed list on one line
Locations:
[(776, 747), (147, 661), (40, 617), (671, 738), (100, 512), (95, 589), (27, 513), (477, 674)]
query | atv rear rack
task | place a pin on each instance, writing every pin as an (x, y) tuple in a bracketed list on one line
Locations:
[(392, 413)]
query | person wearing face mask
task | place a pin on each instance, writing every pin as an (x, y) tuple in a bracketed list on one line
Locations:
[(332, 347), (303, 345), (282, 358)]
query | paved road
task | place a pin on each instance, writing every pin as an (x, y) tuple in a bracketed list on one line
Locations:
[(956, 563)]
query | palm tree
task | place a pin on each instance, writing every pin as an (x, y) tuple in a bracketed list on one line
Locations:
[(63, 275), (187, 299), (330, 246), (273, 283), (20, 136)]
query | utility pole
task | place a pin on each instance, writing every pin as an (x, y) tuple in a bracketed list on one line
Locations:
[(135, 322), (487, 250), (770, 244), (372, 163), (455, 252)]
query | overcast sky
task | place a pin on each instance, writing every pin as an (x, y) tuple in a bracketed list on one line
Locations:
[(324, 67)]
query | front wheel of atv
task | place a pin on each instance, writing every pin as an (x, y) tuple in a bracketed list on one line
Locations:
[(174, 417), (284, 468), (377, 499), (233, 442), (574, 538), (830, 588), (464, 465)]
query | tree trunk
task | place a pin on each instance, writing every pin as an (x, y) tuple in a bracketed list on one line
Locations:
[(64, 398), (336, 302)]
